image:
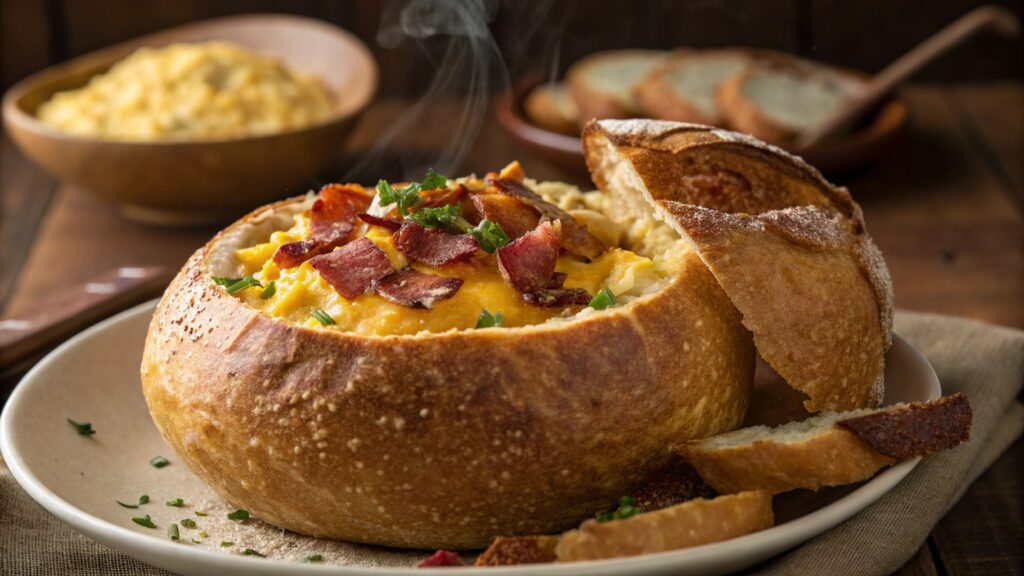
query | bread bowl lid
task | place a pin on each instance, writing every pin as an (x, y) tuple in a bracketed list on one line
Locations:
[(790, 250)]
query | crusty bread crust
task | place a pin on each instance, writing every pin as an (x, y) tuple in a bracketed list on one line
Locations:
[(838, 450), (510, 550), (727, 173), (439, 440), (684, 525), (590, 99)]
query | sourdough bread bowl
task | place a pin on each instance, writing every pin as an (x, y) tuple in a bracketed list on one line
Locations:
[(446, 436)]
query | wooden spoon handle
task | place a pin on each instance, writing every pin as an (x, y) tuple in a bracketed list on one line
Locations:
[(65, 312), (994, 17)]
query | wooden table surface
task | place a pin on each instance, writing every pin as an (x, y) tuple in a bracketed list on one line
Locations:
[(945, 207)]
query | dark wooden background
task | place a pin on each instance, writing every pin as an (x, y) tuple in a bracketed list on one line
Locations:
[(860, 34)]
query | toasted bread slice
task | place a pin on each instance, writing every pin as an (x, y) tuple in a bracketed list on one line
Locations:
[(551, 107), (830, 449), (776, 101), (701, 175), (510, 550), (691, 523), (683, 87), (602, 84)]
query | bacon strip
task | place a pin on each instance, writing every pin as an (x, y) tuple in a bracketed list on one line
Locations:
[(557, 297), (433, 247), (513, 215), (372, 220), (354, 268), (414, 289), (528, 263), (441, 558), (332, 220), (575, 237)]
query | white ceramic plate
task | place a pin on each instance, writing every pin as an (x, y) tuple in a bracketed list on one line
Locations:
[(94, 378)]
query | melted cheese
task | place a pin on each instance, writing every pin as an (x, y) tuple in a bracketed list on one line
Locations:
[(301, 289)]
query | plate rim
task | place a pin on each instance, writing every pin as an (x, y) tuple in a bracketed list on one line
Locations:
[(166, 554)]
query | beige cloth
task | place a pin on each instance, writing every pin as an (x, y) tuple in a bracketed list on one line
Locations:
[(984, 362)]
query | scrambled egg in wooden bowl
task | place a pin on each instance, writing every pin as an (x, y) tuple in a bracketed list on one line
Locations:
[(197, 123)]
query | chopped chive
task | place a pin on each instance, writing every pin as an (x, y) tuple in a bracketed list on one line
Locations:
[(127, 505), (177, 502), (84, 429), (200, 513), (269, 291), (488, 320), (251, 552), (144, 499), (204, 534), (144, 521), (158, 462), (226, 543), (314, 558), (196, 541), (243, 283), (188, 523), (239, 514), (224, 281), (627, 509), (172, 531), (603, 300), (323, 317)]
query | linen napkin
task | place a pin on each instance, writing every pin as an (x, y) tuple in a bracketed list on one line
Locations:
[(984, 362)]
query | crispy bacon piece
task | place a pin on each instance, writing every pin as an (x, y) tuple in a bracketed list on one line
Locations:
[(389, 223), (415, 289), (575, 237), (441, 558), (528, 263), (557, 297), (674, 483), (513, 215), (442, 196), (331, 222), (433, 247), (354, 268)]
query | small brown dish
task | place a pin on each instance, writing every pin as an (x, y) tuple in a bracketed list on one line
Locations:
[(182, 182), (855, 150)]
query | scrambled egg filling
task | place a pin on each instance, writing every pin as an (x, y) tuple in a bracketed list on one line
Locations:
[(301, 289)]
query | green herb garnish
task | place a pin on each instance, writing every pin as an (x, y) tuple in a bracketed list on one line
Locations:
[(409, 197), (172, 531), (487, 320), (196, 541), (226, 543), (159, 462), (144, 499), (177, 502), (322, 317), (203, 534), (251, 552), (84, 429), (269, 291), (433, 180), (314, 558), (602, 300), (224, 281), (243, 283), (239, 514), (489, 235), (200, 513), (627, 509), (188, 523), (144, 521)]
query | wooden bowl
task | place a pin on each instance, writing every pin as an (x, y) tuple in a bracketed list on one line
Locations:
[(854, 150), (178, 182)]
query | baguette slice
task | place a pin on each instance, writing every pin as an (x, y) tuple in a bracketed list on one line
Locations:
[(510, 550), (691, 523), (683, 87), (551, 108), (821, 308), (776, 101), (830, 449), (602, 84)]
